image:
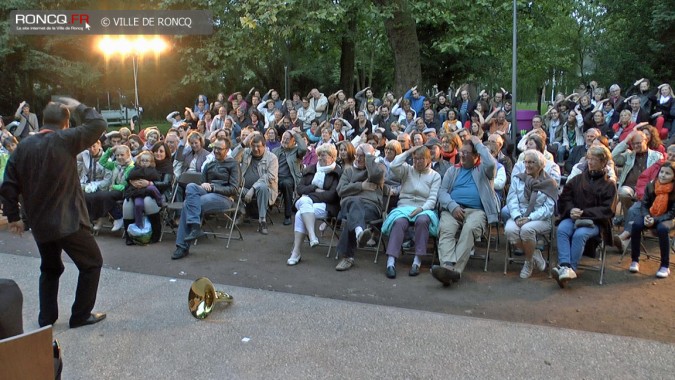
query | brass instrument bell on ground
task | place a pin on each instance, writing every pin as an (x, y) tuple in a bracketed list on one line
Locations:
[(203, 295)]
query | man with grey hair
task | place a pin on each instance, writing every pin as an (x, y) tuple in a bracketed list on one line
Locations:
[(319, 103), (360, 189), (615, 97), (634, 161)]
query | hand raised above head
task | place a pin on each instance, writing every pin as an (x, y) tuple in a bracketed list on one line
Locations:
[(70, 103)]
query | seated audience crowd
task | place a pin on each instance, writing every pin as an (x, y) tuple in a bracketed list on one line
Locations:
[(444, 164)]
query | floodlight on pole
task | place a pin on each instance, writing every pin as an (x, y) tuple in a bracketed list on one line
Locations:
[(123, 46), (514, 74)]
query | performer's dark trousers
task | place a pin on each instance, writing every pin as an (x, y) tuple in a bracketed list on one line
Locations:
[(83, 250)]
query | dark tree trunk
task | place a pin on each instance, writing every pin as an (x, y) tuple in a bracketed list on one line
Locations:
[(348, 56), (402, 35)]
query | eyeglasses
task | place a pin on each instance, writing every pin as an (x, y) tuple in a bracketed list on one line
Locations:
[(530, 162)]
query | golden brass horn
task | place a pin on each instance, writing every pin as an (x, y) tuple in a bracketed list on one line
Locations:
[(203, 295)]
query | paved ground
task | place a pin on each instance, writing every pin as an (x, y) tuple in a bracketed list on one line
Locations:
[(629, 305), (149, 334)]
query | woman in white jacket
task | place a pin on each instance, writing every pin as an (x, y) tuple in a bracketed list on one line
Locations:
[(531, 202)]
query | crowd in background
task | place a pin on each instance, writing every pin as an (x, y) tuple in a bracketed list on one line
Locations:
[(441, 165)]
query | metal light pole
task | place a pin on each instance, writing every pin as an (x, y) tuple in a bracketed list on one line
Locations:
[(123, 47), (514, 65), (134, 64)]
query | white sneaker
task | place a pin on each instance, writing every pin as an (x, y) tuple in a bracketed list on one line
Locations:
[(566, 273), (538, 260), (117, 225), (526, 272), (663, 272), (634, 267)]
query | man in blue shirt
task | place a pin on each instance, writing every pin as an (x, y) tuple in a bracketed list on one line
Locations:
[(467, 199)]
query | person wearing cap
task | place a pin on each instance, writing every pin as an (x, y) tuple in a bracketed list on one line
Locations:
[(28, 122), (430, 133), (437, 162)]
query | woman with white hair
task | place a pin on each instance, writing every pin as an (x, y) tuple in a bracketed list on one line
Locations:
[(318, 198), (531, 202)]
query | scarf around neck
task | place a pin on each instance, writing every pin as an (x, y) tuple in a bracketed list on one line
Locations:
[(660, 204), (320, 175), (543, 184)]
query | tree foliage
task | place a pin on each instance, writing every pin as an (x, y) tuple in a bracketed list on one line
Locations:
[(350, 44)]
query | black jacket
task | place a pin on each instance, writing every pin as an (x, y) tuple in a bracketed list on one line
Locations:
[(44, 170), (329, 196), (223, 176), (595, 195)]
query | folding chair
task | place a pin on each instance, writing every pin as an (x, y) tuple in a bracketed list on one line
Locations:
[(546, 239), (486, 256), (230, 215), (603, 256), (174, 206)]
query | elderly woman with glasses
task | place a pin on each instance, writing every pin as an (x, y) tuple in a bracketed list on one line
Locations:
[(586, 207), (531, 203), (318, 198), (416, 205)]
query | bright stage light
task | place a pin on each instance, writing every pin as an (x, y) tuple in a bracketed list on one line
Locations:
[(121, 45)]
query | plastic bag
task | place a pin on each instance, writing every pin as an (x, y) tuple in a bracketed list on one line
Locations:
[(140, 236)]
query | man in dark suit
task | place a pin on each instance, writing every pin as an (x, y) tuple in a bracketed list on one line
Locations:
[(43, 170)]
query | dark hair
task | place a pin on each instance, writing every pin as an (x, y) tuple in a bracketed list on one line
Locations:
[(258, 139), (668, 164), (470, 143), (55, 113), (538, 141)]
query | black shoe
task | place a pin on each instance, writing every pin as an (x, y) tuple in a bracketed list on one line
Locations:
[(93, 318), (156, 225), (414, 270), (287, 221), (179, 253), (364, 237), (262, 228), (127, 237), (195, 233), (408, 244), (391, 272), (445, 274)]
